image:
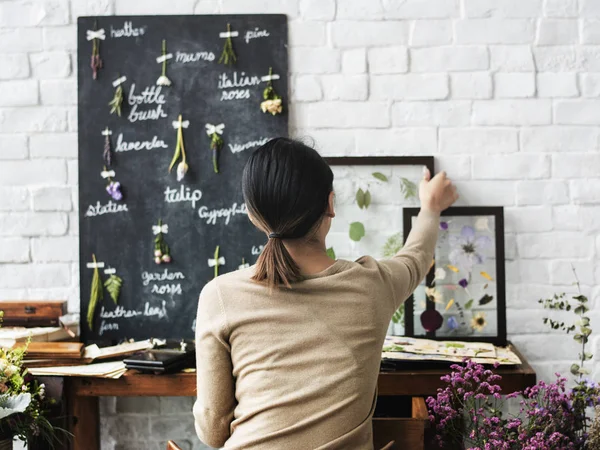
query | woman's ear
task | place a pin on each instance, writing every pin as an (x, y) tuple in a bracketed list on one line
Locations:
[(331, 205)]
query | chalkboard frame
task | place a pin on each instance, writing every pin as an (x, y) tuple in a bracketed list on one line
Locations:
[(498, 212)]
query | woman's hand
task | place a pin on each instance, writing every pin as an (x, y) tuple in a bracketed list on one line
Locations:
[(437, 193)]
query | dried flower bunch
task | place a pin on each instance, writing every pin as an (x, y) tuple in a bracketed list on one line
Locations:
[(107, 153), (272, 103), (163, 80), (216, 142), (96, 62), (182, 167), (162, 252), (113, 188), (117, 101), (228, 56)]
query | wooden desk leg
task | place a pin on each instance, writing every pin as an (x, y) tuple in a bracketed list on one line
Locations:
[(84, 419)]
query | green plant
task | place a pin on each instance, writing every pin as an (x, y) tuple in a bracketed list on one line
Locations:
[(357, 231), (96, 294), (363, 198), (408, 188)]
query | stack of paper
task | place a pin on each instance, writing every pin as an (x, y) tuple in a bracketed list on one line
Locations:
[(112, 370), (9, 336), (401, 348)]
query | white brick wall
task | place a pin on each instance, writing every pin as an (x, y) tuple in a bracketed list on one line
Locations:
[(505, 93)]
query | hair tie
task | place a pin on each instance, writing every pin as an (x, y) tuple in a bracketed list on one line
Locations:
[(275, 236)]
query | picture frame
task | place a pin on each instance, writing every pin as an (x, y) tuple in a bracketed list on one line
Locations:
[(465, 288)]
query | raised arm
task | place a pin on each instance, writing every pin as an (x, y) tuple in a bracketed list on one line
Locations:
[(410, 265)]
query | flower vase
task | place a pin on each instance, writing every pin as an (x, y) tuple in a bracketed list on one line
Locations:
[(6, 444)]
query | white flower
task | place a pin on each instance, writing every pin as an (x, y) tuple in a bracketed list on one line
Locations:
[(14, 404), (163, 81), (11, 370), (272, 106), (440, 274), (434, 293), (482, 224), (182, 169)]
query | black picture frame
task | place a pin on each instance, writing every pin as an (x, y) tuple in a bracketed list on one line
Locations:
[(465, 211), (427, 161)]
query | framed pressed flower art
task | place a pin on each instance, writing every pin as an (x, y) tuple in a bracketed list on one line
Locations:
[(463, 296)]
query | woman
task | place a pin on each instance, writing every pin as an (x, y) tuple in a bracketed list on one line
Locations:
[(288, 350)]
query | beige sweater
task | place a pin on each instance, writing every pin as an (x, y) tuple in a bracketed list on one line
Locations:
[(298, 369)]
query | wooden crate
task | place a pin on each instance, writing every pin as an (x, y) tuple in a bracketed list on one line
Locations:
[(402, 420)]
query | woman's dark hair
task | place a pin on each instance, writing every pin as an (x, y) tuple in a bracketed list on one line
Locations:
[(286, 187)]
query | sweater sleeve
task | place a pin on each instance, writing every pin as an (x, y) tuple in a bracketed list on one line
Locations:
[(409, 266), (213, 409)]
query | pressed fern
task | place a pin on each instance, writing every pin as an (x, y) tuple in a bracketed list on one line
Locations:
[(96, 293), (409, 189), (113, 286), (398, 316), (392, 245)]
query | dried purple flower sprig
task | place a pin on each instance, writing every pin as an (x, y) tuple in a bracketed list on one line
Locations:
[(95, 35)]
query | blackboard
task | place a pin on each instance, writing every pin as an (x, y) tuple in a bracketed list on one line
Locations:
[(160, 300)]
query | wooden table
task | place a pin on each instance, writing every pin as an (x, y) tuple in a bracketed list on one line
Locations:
[(82, 393)]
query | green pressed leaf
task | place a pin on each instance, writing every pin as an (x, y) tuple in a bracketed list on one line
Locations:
[(584, 371), (585, 331), (575, 369), (367, 199), (357, 231), (380, 176), (585, 321), (469, 304), (581, 298), (580, 338), (454, 345), (331, 253), (408, 188), (581, 309), (398, 316), (113, 286), (360, 198), (96, 293)]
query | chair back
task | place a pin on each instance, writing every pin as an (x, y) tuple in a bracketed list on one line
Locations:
[(173, 446)]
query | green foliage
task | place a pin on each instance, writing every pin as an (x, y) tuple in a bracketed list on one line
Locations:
[(392, 245), (228, 56), (408, 188), (331, 253), (380, 176), (357, 231), (113, 286), (393, 348), (398, 317), (117, 101), (96, 294), (469, 304), (363, 198), (455, 345)]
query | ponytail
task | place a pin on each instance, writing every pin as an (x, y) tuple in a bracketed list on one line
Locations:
[(275, 266), (286, 187)]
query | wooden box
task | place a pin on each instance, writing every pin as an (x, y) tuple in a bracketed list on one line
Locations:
[(33, 313), (402, 420)]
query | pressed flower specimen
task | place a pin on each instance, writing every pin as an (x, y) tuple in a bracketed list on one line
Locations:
[(478, 322), (162, 253), (272, 102), (433, 295), (117, 101), (182, 167), (468, 249), (216, 142), (431, 320), (96, 62), (96, 293), (163, 80), (228, 56)]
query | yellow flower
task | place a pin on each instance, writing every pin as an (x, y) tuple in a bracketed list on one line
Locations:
[(272, 106), (478, 322), (434, 293)]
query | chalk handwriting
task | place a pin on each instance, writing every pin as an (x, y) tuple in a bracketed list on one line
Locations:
[(211, 215), (237, 81), (255, 34), (128, 30), (109, 208), (257, 250), (158, 311), (236, 94), (124, 146), (170, 289), (149, 96), (184, 58), (147, 277), (106, 326), (183, 194), (236, 148), (119, 313)]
